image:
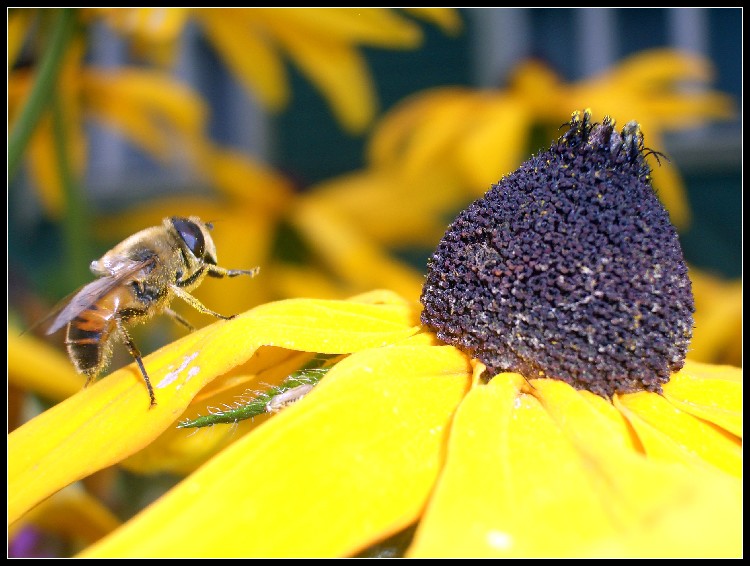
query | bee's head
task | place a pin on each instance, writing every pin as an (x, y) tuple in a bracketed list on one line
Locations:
[(194, 236)]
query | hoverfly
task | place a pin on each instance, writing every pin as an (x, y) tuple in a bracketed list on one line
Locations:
[(138, 279)]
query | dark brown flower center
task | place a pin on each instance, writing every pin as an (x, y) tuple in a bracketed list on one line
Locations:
[(568, 268)]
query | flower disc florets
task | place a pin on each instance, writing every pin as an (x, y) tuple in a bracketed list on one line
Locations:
[(568, 268)]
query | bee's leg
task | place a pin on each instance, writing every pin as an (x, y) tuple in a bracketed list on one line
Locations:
[(196, 304), (177, 318), (216, 271), (139, 360)]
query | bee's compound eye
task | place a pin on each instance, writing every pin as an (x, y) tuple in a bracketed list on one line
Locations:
[(192, 235)]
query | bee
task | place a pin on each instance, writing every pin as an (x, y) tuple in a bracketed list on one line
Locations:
[(138, 279)]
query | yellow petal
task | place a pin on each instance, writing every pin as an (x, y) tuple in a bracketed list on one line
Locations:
[(331, 327), (699, 370), (270, 361), (711, 393), (693, 516), (35, 366), (560, 477), (438, 134), (665, 66), (383, 297), (367, 198), (717, 335), (163, 25), (149, 108), (44, 168), (653, 417), (380, 27), (244, 179), (392, 134), (512, 485), (352, 462), (659, 508), (421, 339), (680, 111), (19, 21), (601, 425), (110, 420), (672, 194), (248, 53), (153, 33), (540, 88), (337, 69), (496, 143), (73, 514), (351, 254), (290, 280), (181, 451), (479, 135), (448, 19), (155, 24)]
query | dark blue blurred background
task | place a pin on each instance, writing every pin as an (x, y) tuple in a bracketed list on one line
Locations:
[(306, 142)]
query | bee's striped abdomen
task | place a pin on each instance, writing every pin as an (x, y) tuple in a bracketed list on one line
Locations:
[(88, 339)]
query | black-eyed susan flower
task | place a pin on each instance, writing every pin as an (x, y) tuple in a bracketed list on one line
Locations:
[(405, 435)]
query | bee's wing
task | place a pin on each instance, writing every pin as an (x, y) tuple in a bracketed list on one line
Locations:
[(90, 293)]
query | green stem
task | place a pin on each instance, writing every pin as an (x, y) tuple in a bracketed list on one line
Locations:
[(75, 220), (309, 375), (42, 91)]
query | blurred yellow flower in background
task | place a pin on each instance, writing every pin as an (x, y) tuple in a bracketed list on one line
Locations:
[(478, 135), (717, 337), (437, 151), (73, 514), (323, 43), (150, 109)]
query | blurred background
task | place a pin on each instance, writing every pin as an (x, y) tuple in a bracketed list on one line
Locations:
[(332, 147)]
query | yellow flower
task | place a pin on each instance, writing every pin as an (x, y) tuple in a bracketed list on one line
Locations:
[(477, 136), (322, 42), (401, 432), (148, 108)]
